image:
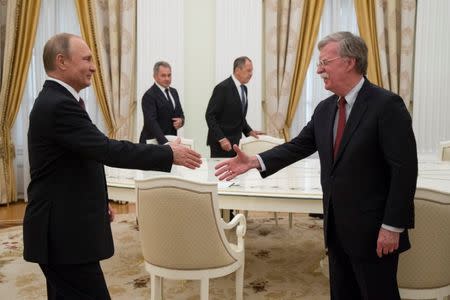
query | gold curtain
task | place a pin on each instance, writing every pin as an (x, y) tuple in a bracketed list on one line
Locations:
[(115, 27), (86, 18), (365, 13), (21, 23), (312, 13), (396, 35), (281, 34)]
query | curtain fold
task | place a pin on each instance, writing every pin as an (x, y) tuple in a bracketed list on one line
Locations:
[(395, 21), (281, 31), (365, 13), (111, 26), (309, 28), (20, 27), (87, 23)]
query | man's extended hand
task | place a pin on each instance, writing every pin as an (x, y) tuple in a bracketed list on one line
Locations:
[(177, 123), (387, 242), (237, 165), (183, 156)]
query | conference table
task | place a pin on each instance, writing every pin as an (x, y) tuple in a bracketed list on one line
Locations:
[(295, 188)]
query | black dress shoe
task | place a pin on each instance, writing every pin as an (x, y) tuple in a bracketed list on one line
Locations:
[(316, 216)]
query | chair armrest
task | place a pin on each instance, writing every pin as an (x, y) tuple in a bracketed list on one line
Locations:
[(241, 229)]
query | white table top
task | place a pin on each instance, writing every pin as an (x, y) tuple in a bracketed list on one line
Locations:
[(300, 180)]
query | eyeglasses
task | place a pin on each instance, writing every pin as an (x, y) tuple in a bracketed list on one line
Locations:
[(324, 62)]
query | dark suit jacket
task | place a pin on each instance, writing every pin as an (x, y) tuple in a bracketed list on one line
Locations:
[(66, 220), (224, 114), (158, 114), (373, 179)]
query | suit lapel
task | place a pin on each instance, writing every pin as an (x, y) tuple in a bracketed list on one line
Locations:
[(358, 110), (235, 92), (162, 96)]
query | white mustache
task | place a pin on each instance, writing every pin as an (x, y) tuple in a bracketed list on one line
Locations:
[(324, 75)]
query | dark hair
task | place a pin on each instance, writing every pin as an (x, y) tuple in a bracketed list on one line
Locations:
[(240, 62)]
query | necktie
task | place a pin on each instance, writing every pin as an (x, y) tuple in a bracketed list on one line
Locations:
[(81, 102), (168, 97), (243, 97), (340, 125)]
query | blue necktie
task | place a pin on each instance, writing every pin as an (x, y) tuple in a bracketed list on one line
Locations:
[(243, 98)]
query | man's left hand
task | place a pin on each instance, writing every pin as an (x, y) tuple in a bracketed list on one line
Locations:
[(177, 123), (255, 133), (387, 242)]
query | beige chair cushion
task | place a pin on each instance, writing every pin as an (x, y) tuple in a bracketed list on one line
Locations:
[(181, 233), (427, 263)]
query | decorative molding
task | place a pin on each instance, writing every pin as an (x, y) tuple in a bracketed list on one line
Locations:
[(431, 75), (239, 33), (160, 36)]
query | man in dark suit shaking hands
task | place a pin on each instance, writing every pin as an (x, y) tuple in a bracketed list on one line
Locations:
[(368, 159), (161, 107), (227, 110), (66, 227)]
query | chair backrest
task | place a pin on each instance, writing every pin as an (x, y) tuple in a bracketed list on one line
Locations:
[(427, 264), (186, 142), (252, 146), (444, 150), (179, 224)]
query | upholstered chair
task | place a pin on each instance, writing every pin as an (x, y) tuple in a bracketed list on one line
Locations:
[(444, 150), (183, 236), (252, 146), (424, 270)]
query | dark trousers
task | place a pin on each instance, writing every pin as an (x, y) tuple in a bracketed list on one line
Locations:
[(77, 282), (355, 278)]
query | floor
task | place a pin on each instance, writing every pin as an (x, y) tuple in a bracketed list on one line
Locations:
[(12, 214)]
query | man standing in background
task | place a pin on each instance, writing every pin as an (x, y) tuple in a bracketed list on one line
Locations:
[(66, 228), (161, 107), (227, 110)]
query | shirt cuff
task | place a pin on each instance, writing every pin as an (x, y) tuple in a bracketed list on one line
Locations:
[(391, 228), (261, 163)]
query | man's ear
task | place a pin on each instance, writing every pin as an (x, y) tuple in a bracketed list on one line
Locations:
[(351, 63), (61, 62)]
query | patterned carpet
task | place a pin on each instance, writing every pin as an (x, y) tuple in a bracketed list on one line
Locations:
[(280, 264)]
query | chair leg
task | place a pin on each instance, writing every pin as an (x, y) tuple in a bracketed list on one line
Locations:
[(204, 288), (290, 220), (275, 214), (156, 287), (240, 283)]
